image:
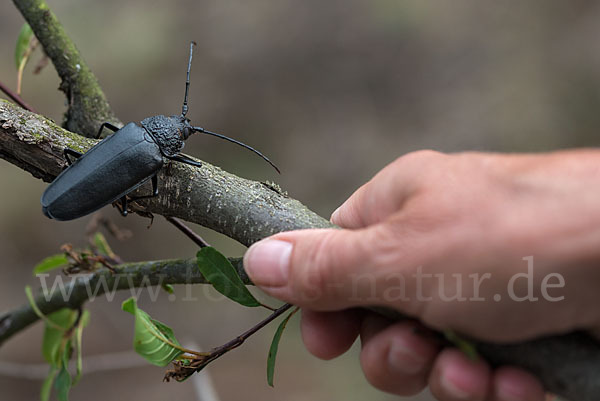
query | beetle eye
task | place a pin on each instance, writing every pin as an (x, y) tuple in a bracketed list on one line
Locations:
[(186, 132)]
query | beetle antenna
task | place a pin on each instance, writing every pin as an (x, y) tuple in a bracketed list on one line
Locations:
[(184, 109), (265, 158)]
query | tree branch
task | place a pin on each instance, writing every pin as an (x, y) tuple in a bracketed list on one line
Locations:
[(88, 107), (244, 210), (129, 275)]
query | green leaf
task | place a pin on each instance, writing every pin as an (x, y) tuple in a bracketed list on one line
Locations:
[(51, 263), (217, 269), (24, 47), (153, 340), (48, 382), (31, 299), (85, 318), (63, 383), (274, 347), (467, 347), (102, 245), (36, 310), (54, 332), (129, 305), (57, 348), (22, 44), (168, 288)]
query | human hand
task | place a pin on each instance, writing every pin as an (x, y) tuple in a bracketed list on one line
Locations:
[(443, 238)]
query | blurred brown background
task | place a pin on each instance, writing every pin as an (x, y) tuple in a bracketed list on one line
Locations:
[(331, 91)]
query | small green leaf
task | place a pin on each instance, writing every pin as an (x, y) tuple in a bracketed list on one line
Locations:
[(22, 44), (153, 340), (57, 348), (54, 332), (102, 245), (34, 307), (467, 347), (275, 346), (168, 288), (129, 305), (48, 382), (25, 45), (63, 383), (85, 318), (31, 299), (217, 269), (51, 263)]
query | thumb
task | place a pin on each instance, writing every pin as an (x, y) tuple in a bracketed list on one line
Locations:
[(322, 269)]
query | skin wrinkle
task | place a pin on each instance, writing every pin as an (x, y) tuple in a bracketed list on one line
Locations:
[(389, 258), (313, 278)]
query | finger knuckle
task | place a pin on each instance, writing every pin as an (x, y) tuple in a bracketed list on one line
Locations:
[(419, 156), (378, 374)]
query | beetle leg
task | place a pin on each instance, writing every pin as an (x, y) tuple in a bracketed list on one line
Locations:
[(124, 206), (186, 160), (70, 152), (154, 190), (124, 200), (155, 185), (106, 125)]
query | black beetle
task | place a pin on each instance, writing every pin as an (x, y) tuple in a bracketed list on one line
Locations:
[(122, 162)]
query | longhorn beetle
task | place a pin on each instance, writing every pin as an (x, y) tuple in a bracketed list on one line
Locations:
[(122, 162)]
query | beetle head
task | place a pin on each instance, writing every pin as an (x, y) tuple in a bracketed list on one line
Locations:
[(181, 127), (168, 132)]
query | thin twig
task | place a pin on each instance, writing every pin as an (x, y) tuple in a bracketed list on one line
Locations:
[(16, 98), (239, 340), (181, 371), (188, 232)]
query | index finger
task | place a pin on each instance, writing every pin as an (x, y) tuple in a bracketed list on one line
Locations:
[(384, 194)]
